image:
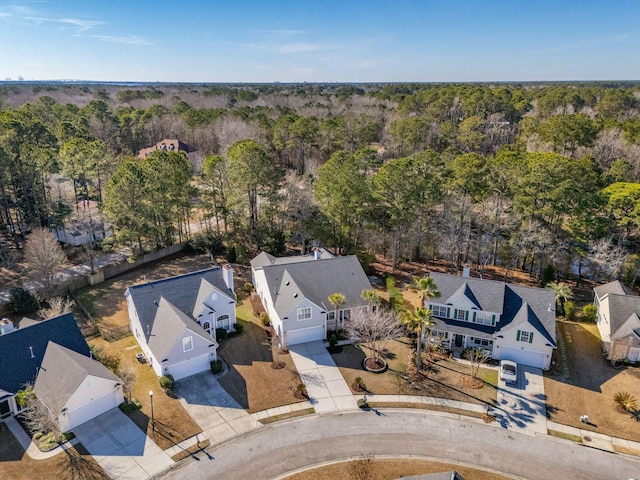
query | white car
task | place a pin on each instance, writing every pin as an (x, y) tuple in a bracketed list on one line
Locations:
[(508, 371)]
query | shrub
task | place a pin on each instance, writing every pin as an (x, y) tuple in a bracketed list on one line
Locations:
[(626, 401), (22, 300), (548, 275), (248, 286), (109, 360), (264, 318), (221, 334), (589, 313), (216, 366), (232, 254), (570, 310), (333, 340), (129, 408), (239, 328), (167, 382)]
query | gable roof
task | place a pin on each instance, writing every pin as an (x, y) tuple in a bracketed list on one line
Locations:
[(264, 259), (168, 326), (181, 291), (631, 325), (292, 281), (516, 304), (63, 370), (19, 365), (624, 307), (616, 288)]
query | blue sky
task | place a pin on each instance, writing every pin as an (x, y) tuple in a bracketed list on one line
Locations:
[(320, 40)]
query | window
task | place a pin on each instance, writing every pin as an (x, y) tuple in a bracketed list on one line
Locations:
[(187, 344), (223, 322), (439, 335), (524, 336), (207, 326), (483, 342), (439, 311), (484, 318), (331, 316), (461, 315), (304, 313), (344, 315)]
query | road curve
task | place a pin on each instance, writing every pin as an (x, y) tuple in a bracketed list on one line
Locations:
[(279, 448)]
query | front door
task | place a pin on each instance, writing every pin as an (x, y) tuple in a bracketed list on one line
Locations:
[(458, 340), (5, 410)]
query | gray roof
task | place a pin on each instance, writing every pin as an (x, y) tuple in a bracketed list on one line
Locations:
[(290, 282), (623, 313), (515, 304), (264, 259), (615, 287), (63, 370), (22, 350), (630, 326), (164, 306)]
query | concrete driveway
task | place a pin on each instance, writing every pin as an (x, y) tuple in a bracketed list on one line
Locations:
[(522, 406), (121, 448), (219, 416)]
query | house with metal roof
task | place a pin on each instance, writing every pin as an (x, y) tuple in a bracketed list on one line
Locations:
[(295, 292), (509, 322), (75, 385), (174, 319), (53, 354), (618, 321)]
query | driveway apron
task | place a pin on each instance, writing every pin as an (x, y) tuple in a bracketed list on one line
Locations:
[(218, 415), (121, 448), (328, 392), (522, 406)]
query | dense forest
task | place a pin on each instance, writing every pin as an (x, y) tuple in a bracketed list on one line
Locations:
[(526, 176)]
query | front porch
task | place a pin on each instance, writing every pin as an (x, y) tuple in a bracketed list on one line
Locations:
[(458, 342)]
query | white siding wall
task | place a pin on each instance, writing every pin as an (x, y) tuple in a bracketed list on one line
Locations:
[(139, 332), (177, 355), (538, 344), (94, 396)]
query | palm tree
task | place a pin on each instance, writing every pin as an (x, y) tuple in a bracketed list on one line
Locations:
[(562, 292), (371, 297), (416, 323), (425, 287), (337, 300)]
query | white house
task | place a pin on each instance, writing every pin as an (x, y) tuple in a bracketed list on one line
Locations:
[(174, 320), (618, 321), (507, 321), (295, 292), (77, 386), (54, 353)]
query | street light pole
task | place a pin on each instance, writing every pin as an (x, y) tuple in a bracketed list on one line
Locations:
[(153, 422)]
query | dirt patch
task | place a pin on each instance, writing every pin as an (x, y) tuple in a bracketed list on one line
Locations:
[(590, 386), (442, 379), (387, 469)]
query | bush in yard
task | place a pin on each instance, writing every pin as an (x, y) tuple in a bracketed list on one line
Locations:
[(264, 318), (216, 366), (22, 300), (221, 334), (109, 360), (239, 328), (626, 401), (333, 340), (570, 310), (232, 254), (128, 408), (167, 382), (589, 313), (248, 286)]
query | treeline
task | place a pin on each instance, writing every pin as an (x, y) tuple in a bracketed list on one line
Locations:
[(526, 176)]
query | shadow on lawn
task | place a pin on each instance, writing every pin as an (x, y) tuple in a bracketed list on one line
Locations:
[(81, 466)]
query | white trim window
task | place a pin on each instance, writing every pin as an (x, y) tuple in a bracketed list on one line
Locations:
[(484, 318), (187, 344), (223, 322), (524, 336), (439, 336), (484, 343), (439, 311), (461, 315), (304, 313)]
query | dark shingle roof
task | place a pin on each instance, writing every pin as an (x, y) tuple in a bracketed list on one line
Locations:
[(63, 370), (487, 295), (315, 280), (615, 287), (623, 313), (19, 366)]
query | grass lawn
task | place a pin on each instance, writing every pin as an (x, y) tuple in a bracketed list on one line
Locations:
[(591, 385), (442, 380), (388, 469), (75, 463), (173, 423)]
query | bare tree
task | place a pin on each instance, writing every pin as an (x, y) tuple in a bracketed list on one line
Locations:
[(476, 357), (44, 412), (606, 259), (373, 329), (127, 378), (44, 258), (57, 306)]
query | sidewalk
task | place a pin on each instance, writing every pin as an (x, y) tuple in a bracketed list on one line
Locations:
[(594, 439), (30, 447)]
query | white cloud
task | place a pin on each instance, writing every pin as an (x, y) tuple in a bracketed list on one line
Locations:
[(130, 40), (81, 25), (297, 48), (4, 15)]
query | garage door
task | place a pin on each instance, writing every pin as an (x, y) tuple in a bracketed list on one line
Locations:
[(190, 367), (525, 357), (304, 335), (92, 409)]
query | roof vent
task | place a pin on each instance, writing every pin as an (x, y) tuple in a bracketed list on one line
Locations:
[(31, 350), (287, 283), (295, 295)]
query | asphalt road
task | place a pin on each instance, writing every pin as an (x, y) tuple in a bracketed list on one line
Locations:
[(276, 449)]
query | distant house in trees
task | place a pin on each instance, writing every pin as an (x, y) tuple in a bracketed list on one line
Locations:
[(618, 321), (174, 320), (509, 322), (196, 158), (295, 292)]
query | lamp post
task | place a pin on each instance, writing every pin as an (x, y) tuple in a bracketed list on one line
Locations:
[(153, 422)]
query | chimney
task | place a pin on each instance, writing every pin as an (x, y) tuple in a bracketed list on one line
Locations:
[(227, 275), (6, 326), (466, 271)]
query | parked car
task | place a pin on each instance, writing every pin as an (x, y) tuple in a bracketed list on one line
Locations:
[(508, 371)]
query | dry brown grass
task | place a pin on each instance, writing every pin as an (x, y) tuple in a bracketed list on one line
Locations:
[(388, 469), (591, 386), (173, 423)]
